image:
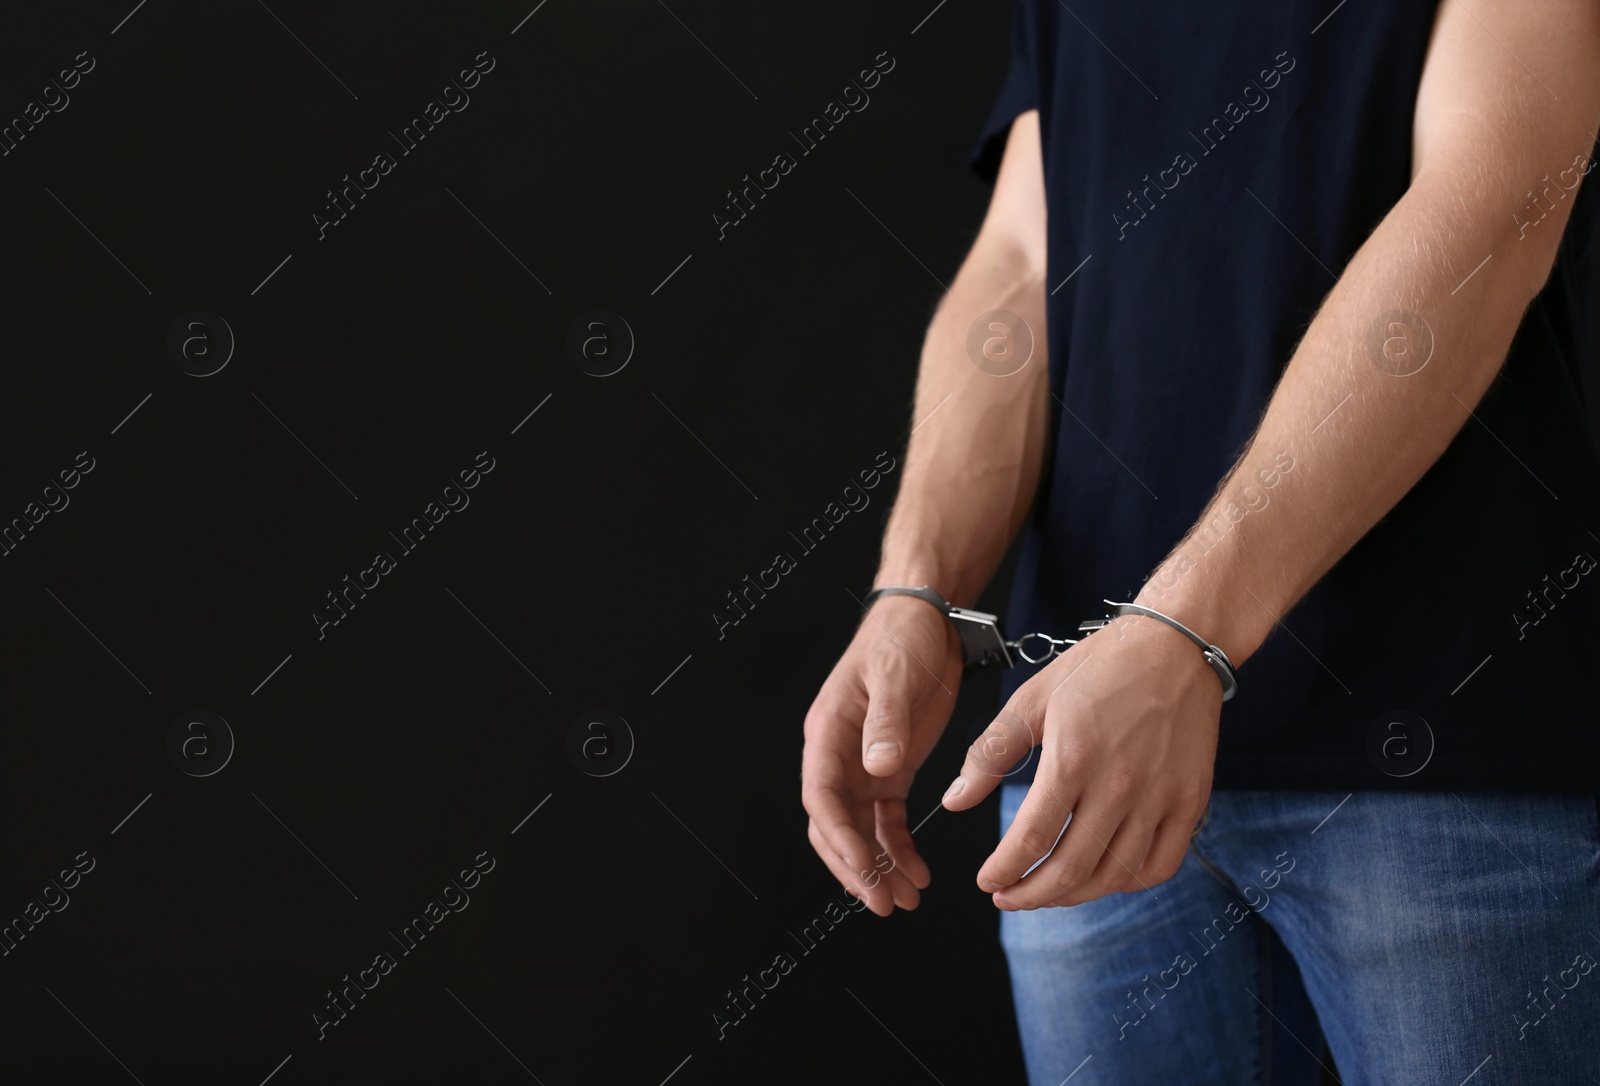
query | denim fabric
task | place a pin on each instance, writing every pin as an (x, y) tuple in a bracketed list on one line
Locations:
[(1428, 937)]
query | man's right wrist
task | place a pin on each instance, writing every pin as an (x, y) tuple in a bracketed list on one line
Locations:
[(916, 608), (920, 574)]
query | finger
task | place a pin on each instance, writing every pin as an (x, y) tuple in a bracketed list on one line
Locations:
[(884, 872), (1032, 835), (836, 865), (902, 892), (1167, 850), (1118, 871), (897, 842), (837, 826), (1006, 747), (1071, 867), (886, 731), (853, 883), (844, 821), (906, 895)]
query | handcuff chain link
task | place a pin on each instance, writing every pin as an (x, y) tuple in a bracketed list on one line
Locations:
[(1054, 646)]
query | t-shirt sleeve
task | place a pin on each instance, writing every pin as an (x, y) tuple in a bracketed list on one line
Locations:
[(1019, 92)]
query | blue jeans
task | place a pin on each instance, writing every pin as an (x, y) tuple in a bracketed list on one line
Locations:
[(1429, 938)]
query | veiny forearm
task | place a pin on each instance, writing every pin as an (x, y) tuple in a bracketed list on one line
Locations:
[(1355, 435), (976, 451)]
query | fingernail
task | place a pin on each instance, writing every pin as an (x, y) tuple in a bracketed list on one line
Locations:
[(957, 786), (989, 887), (882, 750)]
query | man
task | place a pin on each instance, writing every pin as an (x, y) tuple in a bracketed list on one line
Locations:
[(1317, 283)]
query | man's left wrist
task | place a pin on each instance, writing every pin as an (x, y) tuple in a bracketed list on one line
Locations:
[(1214, 615)]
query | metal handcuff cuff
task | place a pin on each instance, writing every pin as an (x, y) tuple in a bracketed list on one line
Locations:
[(984, 643)]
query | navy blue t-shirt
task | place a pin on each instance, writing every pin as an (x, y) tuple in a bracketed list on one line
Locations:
[(1209, 170)]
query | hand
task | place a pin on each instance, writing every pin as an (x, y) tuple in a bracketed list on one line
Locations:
[(874, 722), (1128, 721)]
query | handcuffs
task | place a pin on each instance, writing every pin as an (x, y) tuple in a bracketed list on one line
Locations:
[(983, 642)]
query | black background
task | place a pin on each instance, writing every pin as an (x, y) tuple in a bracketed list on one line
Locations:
[(381, 758)]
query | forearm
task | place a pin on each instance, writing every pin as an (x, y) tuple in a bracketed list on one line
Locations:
[(977, 446), (1345, 435)]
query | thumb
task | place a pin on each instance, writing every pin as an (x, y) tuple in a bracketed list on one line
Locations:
[(886, 731), (1006, 747)]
